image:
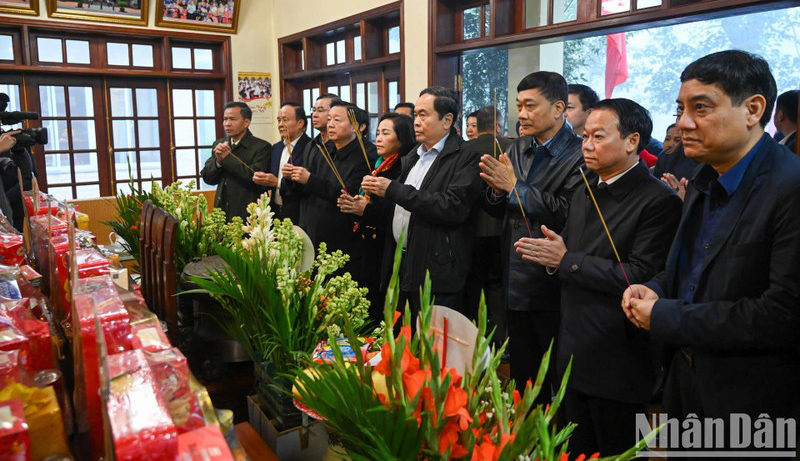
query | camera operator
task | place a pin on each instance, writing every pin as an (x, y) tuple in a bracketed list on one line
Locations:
[(7, 142)]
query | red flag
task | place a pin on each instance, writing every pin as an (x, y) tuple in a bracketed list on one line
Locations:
[(616, 62)]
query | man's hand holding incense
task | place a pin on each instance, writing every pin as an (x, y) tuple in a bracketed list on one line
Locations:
[(300, 175), (498, 173), (547, 252), (375, 185), (222, 150), (637, 304), (265, 179), (352, 204)]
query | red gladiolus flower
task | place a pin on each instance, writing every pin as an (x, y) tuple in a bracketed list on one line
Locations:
[(449, 439), (484, 451), (583, 457), (384, 367), (517, 398), (455, 404), (135, 227), (396, 316)]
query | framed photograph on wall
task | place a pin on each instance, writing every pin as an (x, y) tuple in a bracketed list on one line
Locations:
[(30, 7), (115, 11), (210, 15)]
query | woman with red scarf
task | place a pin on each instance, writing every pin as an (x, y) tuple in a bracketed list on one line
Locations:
[(395, 138)]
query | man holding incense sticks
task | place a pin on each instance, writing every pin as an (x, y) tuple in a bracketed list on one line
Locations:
[(729, 299), (235, 159), (330, 174), (618, 232), (530, 185)]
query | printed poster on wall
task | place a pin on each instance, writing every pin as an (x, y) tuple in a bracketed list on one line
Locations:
[(255, 89)]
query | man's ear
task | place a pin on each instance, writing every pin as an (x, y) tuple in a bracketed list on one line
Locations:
[(755, 106)]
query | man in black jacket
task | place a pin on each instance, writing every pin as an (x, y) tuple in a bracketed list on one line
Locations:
[(433, 199), (322, 219), (729, 300), (292, 126), (486, 272), (236, 157), (546, 160), (612, 377)]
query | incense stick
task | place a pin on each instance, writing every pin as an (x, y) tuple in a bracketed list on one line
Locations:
[(288, 148), (352, 114), (608, 233), (326, 155), (494, 149), (522, 209), (240, 160)]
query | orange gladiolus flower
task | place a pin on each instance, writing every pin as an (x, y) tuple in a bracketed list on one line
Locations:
[(449, 439), (455, 404)]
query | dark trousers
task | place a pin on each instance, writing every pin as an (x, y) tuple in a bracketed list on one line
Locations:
[(486, 276), (603, 425), (529, 336)]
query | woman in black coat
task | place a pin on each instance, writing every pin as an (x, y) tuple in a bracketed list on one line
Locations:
[(395, 138)]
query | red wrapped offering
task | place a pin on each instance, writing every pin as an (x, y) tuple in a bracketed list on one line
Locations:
[(205, 443), (171, 371), (12, 249), (10, 368), (45, 205), (140, 423), (15, 443), (37, 331), (149, 335), (11, 339), (91, 263)]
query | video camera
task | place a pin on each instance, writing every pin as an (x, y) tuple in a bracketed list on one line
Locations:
[(28, 136)]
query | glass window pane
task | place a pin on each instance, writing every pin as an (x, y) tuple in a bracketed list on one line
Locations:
[(53, 102), (185, 162), (330, 54), (307, 100), (146, 102), (340, 53), (333, 90), (565, 10), (147, 186), (641, 4), (88, 191), (394, 94), (204, 186), (344, 93), (472, 23), (57, 132), (357, 47), (182, 103), (7, 47), (125, 165), (58, 169), (118, 54), (78, 52), (372, 90), (302, 59), (205, 103), (143, 55), (614, 6), (487, 20), (203, 59), (181, 58), (184, 133), (61, 193), (121, 102), (535, 13), (206, 134), (83, 135), (148, 133), (49, 49), (360, 96), (124, 136), (86, 167), (81, 102), (372, 128), (151, 164), (202, 156), (13, 100), (394, 40)]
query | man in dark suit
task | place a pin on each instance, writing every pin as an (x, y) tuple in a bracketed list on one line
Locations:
[(236, 157), (612, 377), (546, 160), (292, 127), (432, 202), (785, 119), (486, 272), (729, 299)]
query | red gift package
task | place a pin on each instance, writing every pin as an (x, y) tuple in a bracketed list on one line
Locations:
[(91, 263), (140, 423), (11, 339), (15, 444), (12, 249), (171, 371), (45, 205), (149, 335), (10, 369), (37, 331), (206, 443)]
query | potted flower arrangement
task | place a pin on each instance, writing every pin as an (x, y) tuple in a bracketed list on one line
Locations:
[(278, 309), (410, 407)]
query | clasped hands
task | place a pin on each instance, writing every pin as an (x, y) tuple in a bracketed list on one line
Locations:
[(222, 150), (498, 173)]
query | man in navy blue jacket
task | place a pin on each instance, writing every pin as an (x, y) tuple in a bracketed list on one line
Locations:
[(729, 299)]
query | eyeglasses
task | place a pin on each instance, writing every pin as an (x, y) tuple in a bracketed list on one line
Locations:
[(318, 110)]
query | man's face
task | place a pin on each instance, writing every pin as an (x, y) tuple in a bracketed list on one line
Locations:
[(472, 128), (234, 124), (405, 111), (288, 125), (428, 127), (340, 130), (672, 139), (536, 114), (711, 127), (320, 116), (604, 150), (576, 114)]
